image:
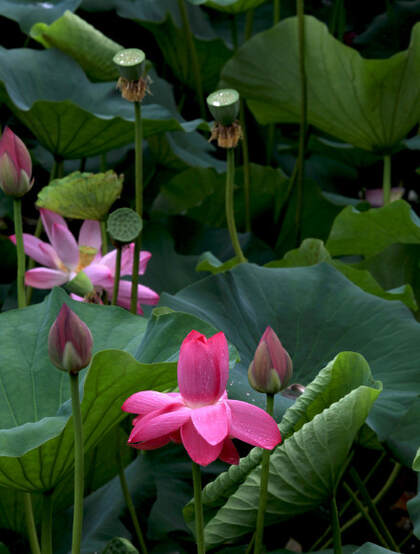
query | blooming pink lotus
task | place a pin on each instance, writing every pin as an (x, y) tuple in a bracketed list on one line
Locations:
[(200, 416), (64, 258)]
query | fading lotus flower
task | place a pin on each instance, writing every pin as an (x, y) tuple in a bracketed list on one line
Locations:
[(271, 369), (200, 416), (375, 197), (69, 342), (66, 260), (15, 165)]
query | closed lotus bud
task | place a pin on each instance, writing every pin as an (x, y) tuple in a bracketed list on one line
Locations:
[(15, 165), (69, 342), (271, 368)]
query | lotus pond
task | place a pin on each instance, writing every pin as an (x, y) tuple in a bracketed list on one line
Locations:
[(210, 285)]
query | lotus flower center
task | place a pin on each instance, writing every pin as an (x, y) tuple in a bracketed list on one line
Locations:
[(86, 256)]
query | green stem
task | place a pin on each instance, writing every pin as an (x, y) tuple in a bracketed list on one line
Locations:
[(265, 467), (104, 238), (247, 173), (30, 523), (117, 275), (47, 519), (139, 202), (82, 165), (336, 16), (198, 507), (59, 169), (194, 56), (249, 23), (78, 465), (364, 512), (373, 509), (276, 12), (335, 526), (130, 504), (386, 184), (300, 7), (17, 215), (230, 213), (104, 163)]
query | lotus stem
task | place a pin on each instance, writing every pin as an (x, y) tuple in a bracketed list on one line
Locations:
[(129, 502), (30, 524), (386, 184), (373, 509), (78, 465), (336, 526), (194, 56), (272, 126), (47, 518), (265, 471), (249, 23), (198, 507), (230, 213), (276, 11), (117, 275), (139, 202), (17, 216), (247, 177), (300, 7)]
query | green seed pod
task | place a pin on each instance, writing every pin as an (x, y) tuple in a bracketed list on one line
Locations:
[(80, 285), (131, 63), (124, 225), (224, 105)]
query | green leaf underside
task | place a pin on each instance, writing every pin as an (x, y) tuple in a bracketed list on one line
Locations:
[(317, 432), (371, 104), (229, 6)]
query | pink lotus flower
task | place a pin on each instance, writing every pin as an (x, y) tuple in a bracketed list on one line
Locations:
[(15, 165), (376, 196), (64, 258), (200, 415)]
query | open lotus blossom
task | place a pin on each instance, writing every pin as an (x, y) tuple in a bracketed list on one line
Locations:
[(200, 416), (65, 257)]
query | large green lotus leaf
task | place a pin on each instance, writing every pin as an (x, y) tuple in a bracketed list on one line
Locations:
[(73, 117), (28, 12), (413, 505), (163, 19), (200, 194), (297, 485), (229, 6), (371, 104), (317, 313), (416, 462), (400, 441), (36, 439), (313, 251), (82, 195), (80, 40), (368, 233)]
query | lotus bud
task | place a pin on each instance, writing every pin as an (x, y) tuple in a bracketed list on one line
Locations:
[(15, 165), (69, 342), (271, 368)]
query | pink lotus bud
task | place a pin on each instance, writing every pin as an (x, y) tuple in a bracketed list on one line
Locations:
[(15, 165), (69, 342), (271, 368)]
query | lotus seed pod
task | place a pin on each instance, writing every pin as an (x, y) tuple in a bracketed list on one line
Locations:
[(124, 225), (224, 105), (131, 63), (271, 369), (80, 285), (69, 342)]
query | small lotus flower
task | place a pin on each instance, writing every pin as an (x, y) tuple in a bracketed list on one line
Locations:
[(15, 165), (271, 369), (200, 416), (376, 196), (65, 258), (69, 342)]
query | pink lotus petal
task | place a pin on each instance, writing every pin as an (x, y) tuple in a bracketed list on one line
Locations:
[(14, 147), (90, 234), (159, 423), (147, 296), (212, 422), (127, 260), (253, 425), (48, 219), (100, 276), (144, 402), (65, 245), (376, 196), (40, 251), (229, 454), (152, 444), (44, 278), (202, 369), (199, 450), (76, 297), (109, 260)]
